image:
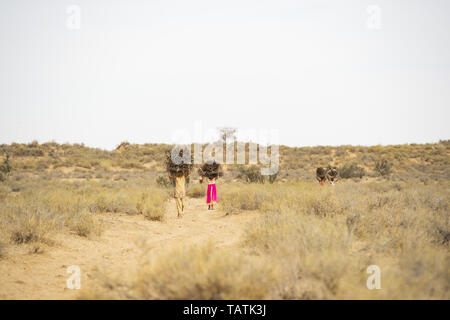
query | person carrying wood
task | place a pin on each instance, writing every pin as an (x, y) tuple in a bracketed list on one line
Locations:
[(178, 171), (179, 192)]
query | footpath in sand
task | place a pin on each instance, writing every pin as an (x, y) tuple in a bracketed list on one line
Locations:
[(25, 275)]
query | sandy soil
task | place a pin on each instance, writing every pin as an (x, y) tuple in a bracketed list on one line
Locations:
[(25, 275)]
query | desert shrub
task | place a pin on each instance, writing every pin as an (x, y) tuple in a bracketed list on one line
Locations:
[(5, 167), (84, 224), (164, 182), (383, 167), (31, 225), (351, 170), (152, 204), (251, 174), (322, 205)]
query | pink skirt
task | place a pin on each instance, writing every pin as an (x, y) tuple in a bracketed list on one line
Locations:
[(211, 194)]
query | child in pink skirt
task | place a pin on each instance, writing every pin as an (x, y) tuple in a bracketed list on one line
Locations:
[(211, 194)]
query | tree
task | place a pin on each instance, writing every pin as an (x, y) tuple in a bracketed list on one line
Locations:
[(227, 132)]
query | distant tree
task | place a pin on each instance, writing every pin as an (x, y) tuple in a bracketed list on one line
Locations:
[(227, 132)]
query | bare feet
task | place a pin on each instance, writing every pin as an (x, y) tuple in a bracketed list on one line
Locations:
[(180, 216)]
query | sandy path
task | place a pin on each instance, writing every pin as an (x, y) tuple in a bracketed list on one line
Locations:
[(43, 276)]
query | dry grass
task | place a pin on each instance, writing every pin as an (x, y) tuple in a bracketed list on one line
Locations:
[(196, 190), (152, 204), (43, 208), (307, 242), (196, 272), (326, 238), (311, 242)]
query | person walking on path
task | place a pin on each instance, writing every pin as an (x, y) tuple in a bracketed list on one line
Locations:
[(211, 194), (179, 192)]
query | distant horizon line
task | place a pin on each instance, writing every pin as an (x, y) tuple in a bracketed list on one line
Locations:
[(280, 144)]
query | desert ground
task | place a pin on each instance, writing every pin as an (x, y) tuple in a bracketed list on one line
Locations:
[(111, 213)]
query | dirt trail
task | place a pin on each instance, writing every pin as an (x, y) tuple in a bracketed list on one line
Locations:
[(43, 275)]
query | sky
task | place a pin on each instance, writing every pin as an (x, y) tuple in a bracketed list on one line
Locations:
[(317, 72)]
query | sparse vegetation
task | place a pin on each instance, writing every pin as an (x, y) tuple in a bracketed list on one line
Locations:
[(196, 272), (383, 167), (152, 204), (196, 191), (351, 170), (306, 242), (251, 174), (164, 182)]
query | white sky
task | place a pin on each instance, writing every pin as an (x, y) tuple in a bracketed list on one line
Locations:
[(140, 70)]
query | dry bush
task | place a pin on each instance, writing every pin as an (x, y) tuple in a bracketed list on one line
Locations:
[(84, 224), (152, 204), (251, 174), (351, 170), (196, 272), (383, 167), (29, 225)]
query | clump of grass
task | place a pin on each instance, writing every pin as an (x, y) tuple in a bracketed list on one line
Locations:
[(84, 224), (152, 204), (32, 226)]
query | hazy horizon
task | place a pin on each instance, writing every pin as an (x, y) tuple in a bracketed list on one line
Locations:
[(321, 72)]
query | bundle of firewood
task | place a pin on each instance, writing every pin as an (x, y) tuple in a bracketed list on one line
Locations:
[(183, 168), (210, 170)]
